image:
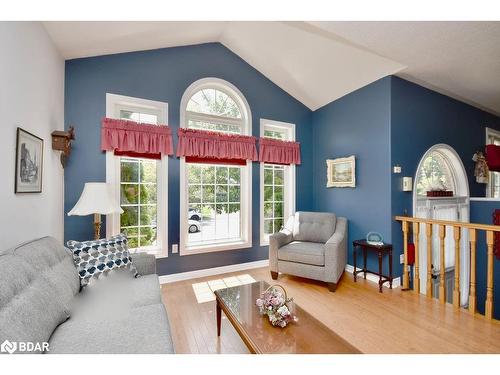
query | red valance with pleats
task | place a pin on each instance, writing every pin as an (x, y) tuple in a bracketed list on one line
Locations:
[(279, 152), (203, 144), (130, 137)]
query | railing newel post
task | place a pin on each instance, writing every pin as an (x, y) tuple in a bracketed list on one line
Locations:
[(442, 286), (488, 310), (456, 289)]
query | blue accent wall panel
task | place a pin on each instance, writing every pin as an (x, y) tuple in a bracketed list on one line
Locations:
[(481, 212), (421, 118), (164, 75), (357, 124)]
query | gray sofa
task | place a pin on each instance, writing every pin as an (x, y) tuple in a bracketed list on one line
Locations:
[(40, 301), (311, 245)]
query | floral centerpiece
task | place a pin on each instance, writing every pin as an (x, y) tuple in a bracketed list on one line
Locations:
[(276, 306)]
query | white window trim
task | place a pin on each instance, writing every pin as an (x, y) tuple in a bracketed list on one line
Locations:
[(246, 177), (496, 134), (289, 196), (114, 103)]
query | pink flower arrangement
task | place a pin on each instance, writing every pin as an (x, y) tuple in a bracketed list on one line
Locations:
[(273, 304)]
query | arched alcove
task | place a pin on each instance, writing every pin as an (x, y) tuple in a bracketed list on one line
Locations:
[(441, 168)]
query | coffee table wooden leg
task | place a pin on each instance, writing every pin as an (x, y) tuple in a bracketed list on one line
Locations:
[(219, 317)]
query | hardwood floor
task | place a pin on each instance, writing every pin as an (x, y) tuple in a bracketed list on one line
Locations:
[(391, 322)]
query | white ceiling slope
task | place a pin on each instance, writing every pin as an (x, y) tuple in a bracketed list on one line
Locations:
[(314, 68), (318, 62), (459, 59), (94, 38)]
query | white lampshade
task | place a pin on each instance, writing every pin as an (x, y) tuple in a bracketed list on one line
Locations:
[(96, 198)]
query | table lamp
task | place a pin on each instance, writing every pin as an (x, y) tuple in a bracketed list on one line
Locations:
[(96, 199)]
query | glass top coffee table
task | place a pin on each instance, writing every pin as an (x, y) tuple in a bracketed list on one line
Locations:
[(307, 335)]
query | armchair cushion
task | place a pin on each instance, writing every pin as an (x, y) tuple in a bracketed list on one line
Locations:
[(303, 252), (314, 226)]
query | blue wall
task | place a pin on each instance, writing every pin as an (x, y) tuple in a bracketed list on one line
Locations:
[(357, 124), (481, 212), (421, 118), (164, 75)]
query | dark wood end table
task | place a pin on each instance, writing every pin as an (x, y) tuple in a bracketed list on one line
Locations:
[(386, 248)]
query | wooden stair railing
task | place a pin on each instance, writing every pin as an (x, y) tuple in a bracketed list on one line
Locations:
[(457, 235)]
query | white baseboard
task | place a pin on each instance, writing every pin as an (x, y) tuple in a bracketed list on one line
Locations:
[(396, 283), (164, 279)]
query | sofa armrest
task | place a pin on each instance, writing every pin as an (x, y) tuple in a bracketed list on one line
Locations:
[(277, 240), (336, 252), (145, 263)]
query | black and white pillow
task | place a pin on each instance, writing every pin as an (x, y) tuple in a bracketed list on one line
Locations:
[(95, 258)]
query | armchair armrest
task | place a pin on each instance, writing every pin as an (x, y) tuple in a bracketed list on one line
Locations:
[(276, 241), (145, 263), (336, 252)]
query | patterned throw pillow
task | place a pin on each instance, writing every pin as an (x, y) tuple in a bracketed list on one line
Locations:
[(98, 257)]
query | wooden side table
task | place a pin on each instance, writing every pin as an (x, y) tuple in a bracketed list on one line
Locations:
[(386, 248)]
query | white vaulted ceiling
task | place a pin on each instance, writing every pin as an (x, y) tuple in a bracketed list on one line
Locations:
[(318, 62)]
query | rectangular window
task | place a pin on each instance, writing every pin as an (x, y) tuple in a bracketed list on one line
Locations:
[(214, 199), (274, 199), (217, 206), (493, 188), (277, 183), (138, 191), (140, 184)]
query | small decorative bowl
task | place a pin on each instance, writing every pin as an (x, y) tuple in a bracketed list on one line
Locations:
[(375, 238)]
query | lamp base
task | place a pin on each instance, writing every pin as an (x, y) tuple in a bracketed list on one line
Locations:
[(97, 226)]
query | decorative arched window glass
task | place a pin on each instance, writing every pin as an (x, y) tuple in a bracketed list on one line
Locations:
[(435, 174), (216, 109), (215, 193)]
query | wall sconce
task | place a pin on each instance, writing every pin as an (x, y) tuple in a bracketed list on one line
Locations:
[(61, 141), (407, 184)]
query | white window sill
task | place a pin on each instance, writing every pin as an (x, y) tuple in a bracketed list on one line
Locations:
[(156, 251), (225, 246)]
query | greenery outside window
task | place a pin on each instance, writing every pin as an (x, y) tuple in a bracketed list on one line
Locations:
[(277, 183), (139, 183), (215, 198)]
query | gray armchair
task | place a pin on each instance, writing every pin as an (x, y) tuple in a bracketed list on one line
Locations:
[(312, 245)]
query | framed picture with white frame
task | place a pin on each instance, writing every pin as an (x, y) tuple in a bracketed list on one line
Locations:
[(341, 172)]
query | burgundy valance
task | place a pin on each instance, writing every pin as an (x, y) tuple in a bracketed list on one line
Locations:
[(125, 136), (279, 152), (493, 157), (214, 145)]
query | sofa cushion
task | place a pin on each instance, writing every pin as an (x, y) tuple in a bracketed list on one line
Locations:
[(54, 262), (30, 307), (303, 252), (314, 226), (117, 291), (139, 330), (98, 257)]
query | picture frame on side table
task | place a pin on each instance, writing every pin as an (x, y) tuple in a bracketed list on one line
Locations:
[(29, 163), (341, 172)]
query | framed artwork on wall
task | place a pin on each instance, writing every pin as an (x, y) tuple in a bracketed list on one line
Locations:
[(29, 163), (341, 172)]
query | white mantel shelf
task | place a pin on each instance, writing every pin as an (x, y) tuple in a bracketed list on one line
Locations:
[(483, 199)]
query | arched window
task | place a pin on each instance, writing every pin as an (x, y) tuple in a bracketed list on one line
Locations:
[(435, 174), (216, 105), (215, 195)]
